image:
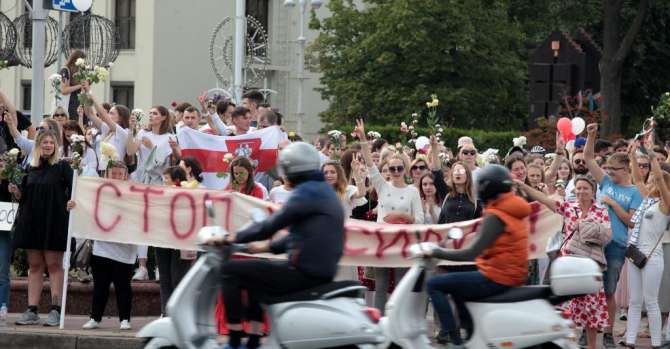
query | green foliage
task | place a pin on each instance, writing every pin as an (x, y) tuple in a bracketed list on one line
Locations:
[(383, 62), (501, 140)]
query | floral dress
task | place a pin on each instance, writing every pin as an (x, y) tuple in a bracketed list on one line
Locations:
[(588, 311)]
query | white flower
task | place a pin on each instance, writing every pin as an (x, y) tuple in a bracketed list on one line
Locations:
[(94, 131), (110, 64), (108, 151), (77, 138), (80, 62), (334, 134), (228, 157), (411, 127), (519, 141), (490, 155), (75, 155), (55, 77), (415, 115), (14, 152), (103, 74), (375, 135)]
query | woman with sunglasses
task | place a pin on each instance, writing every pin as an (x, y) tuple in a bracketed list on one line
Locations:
[(418, 169), (60, 115), (399, 203), (467, 153)]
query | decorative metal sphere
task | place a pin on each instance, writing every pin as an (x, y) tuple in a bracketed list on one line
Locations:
[(95, 35), (24, 40), (7, 37)]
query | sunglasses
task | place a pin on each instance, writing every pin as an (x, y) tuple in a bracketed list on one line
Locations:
[(420, 167), (469, 152), (644, 165), (580, 162), (40, 128), (609, 168), (396, 168), (59, 115)]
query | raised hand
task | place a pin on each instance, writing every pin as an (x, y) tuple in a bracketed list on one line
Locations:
[(359, 130), (592, 129)]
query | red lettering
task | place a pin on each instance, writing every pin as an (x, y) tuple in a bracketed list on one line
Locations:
[(352, 251), (145, 193), (98, 222), (381, 247), (432, 233), (191, 229), (224, 198)]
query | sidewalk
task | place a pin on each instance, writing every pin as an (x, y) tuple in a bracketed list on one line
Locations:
[(108, 336)]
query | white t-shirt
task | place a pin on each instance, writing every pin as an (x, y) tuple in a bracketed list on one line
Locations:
[(89, 161), (123, 253), (349, 202), (160, 141), (119, 140), (391, 198), (279, 195)]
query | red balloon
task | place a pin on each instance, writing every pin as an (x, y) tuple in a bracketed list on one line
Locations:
[(564, 126)]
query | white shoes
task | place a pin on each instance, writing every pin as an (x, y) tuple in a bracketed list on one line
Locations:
[(141, 273), (157, 275), (90, 325), (125, 325)]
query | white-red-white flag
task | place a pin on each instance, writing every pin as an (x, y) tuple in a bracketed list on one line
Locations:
[(210, 150)]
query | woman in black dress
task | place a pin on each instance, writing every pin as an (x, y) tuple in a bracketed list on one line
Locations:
[(68, 87), (41, 224)]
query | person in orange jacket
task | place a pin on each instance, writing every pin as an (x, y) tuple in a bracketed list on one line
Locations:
[(500, 253)]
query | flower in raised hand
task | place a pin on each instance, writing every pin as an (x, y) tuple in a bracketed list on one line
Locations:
[(80, 62), (14, 152)]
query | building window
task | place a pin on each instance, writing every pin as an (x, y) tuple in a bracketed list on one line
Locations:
[(259, 10), (124, 19), (26, 93), (123, 93)]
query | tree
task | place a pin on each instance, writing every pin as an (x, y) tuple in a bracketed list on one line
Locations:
[(383, 62), (615, 51)]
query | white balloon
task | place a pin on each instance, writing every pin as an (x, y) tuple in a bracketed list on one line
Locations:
[(422, 142), (570, 146), (82, 5), (578, 125)]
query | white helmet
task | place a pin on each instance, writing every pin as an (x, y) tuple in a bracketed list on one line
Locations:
[(299, 157)]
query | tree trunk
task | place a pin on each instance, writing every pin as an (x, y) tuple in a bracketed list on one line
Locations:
[(615, 51), (610, 88)]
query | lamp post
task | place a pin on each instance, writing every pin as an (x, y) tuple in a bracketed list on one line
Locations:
[(238, 50), (302, 4), (39, 16)]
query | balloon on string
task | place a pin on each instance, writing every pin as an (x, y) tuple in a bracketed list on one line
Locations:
[(82, 5), (564, 126), (578, 125), (422, 143), (570, 146)]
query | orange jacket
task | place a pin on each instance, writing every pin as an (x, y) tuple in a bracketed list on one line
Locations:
[(506, 261)]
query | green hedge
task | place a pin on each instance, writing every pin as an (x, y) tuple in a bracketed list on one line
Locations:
[(501, 140)]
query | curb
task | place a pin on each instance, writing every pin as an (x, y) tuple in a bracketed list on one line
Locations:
[(14, 340)]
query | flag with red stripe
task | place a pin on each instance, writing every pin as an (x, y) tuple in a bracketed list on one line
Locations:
[(210, 150)]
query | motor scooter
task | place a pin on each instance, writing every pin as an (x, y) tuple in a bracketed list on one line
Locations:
[(523, 317), (330, 315)]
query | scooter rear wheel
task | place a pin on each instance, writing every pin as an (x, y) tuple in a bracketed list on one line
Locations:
[(149, 343)]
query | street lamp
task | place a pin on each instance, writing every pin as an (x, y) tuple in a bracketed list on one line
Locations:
[(302, 4)]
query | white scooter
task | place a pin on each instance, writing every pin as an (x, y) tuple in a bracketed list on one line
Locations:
[(331, 315), (522, 317)]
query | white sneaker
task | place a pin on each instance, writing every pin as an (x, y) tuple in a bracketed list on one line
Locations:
[(91, 324), (125, 325), (157, 275), (141, 273)]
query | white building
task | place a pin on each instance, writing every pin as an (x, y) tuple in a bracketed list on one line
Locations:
[(164, 55)]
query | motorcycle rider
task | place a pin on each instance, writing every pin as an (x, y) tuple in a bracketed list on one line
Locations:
[(314, 244), (500, 252)]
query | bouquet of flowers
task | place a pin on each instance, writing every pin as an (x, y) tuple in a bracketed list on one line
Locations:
[(56, 80), (374, 135), (91, 73), (141, 117), (77, 150), (109, 154), (228, 158), (11, 171), (4, 64)]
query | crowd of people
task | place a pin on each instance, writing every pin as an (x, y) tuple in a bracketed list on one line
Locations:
[(611, 196)]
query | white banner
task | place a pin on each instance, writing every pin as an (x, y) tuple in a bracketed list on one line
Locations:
[(170, 217), (7, 214)]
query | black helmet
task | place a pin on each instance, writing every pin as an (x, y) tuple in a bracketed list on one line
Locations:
[(492, 181)]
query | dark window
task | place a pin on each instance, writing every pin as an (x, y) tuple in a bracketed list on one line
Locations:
[(123, 93), (28, 29), (259, 9), (124, 19), (26, 93)]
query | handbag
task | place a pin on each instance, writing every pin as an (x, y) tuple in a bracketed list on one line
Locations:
[(82, 256), (636, 256)]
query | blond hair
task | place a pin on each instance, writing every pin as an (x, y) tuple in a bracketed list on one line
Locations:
[(37, 149)]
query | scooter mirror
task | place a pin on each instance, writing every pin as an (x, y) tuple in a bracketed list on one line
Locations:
[(455, 233), (258, 215), (210, 209)]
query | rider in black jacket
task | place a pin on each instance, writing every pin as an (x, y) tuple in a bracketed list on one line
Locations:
[(315, 221)]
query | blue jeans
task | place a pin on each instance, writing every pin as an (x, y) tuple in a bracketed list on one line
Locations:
[(462, 286), (5, 261)]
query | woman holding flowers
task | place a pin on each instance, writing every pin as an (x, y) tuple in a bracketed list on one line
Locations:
[(41, 224), (70, 89), (152, 147), (241, 174), (113, 126), (78, 149)]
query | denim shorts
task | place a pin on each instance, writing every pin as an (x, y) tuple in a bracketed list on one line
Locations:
[(615, 256)]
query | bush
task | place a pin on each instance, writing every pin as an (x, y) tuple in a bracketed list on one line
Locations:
[(501, 140)]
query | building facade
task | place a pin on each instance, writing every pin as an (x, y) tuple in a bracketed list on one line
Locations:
[(165, 55)]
